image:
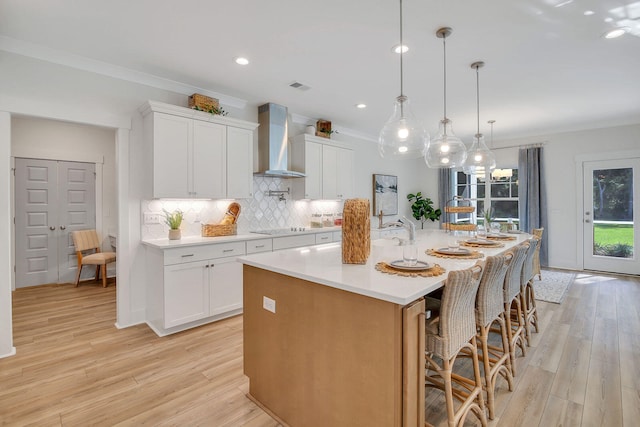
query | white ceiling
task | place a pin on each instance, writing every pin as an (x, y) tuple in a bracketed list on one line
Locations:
[(548, 68)]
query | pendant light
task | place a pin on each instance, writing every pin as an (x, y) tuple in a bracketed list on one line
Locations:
[(402, 137), (479, 158), (446, 150)]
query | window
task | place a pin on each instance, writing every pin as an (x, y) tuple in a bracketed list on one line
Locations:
[(500, 193)]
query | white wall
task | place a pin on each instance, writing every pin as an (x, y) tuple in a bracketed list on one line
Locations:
[(563, 191), (6, 337)]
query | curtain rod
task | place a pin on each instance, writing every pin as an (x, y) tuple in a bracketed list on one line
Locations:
[(539, 144)]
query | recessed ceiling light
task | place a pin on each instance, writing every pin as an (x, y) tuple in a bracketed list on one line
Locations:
[(397, 48), (588, 12), (614, 33), (361, 106), (241, 60), (608, 19)]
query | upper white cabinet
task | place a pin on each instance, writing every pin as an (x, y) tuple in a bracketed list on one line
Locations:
[(328, 169), (198, 155)]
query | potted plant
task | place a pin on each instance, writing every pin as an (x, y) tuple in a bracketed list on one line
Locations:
[(173, 220), (422, 208)]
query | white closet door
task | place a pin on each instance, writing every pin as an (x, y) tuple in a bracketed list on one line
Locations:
[(51, 199)]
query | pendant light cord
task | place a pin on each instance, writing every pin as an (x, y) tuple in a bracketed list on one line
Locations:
[(478, 98), (401, 53), (444, 55)]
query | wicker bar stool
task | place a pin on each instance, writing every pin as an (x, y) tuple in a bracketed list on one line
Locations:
[(527, 294), (489, 311), (513, 313), (537, 232), (454, 329)]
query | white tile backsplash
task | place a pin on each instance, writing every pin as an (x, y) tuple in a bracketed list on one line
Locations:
[(260, 212)]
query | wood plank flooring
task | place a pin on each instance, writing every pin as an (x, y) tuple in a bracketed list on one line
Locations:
[(74, 368)]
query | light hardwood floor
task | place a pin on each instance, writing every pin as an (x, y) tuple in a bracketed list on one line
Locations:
[(73, 367)]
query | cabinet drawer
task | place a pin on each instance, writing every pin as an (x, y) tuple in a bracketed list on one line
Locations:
[(200, 253), (293, 241), (262, 245), (324, 237)]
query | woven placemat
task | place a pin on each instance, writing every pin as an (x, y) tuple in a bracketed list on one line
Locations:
[(501, 237), (472, 255), (436, 270), (488, 246)]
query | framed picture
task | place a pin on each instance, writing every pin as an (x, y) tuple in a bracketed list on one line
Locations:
[(385, 194)]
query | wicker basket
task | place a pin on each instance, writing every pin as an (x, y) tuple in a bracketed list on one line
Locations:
[(215, 230), (459, 209), (459, 227), (205, 103)]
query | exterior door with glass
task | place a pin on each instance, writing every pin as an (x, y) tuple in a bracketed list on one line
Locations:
[(611, 202)]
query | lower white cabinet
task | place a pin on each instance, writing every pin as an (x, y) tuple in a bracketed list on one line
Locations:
[(191, 286)]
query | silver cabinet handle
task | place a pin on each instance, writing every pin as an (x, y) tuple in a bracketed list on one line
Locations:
[(52, 228), (185, 256), (586, 220), (62, 227), (227, 250), (259, 246)]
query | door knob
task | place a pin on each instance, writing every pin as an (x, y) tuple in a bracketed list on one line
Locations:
[(587, 213), (62, 227), (52, 228), (586, 220)]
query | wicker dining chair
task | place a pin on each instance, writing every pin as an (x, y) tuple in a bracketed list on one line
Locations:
[(527, 294), (446, 334), (495, 359), (513, 313), (86, 241), (537, 232)]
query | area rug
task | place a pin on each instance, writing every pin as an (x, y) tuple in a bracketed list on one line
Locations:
[(553, 286)]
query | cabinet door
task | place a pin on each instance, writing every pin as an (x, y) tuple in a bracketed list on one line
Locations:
[(344, 173), (313, 171), (171, 161), (330, 172), (239, 163), (186, 293), (226, 285), (209, 160)]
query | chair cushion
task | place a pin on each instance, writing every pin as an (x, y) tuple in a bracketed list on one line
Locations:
[(99, 258)]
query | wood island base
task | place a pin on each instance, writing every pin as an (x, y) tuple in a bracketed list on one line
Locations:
[(329, 357)]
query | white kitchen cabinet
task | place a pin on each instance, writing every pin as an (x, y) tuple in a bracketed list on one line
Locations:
[(193, 285), (239, 168), (186, 293), (225, 281), (198, 155), (328, 169)]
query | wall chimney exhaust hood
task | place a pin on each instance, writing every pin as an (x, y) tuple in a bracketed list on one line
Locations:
[(273, 142)]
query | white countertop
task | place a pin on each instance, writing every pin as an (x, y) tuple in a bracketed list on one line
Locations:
[(199, 240), (323, 264)]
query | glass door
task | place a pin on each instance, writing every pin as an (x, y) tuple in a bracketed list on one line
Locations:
[(611, 204)]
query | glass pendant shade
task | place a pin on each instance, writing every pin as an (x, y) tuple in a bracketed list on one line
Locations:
[(402, 137), (446, 150), (479, 157)]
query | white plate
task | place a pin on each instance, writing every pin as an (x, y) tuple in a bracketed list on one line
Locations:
[(481, 242), (515, 232), (447, 251), (496, 236), (400, 265)]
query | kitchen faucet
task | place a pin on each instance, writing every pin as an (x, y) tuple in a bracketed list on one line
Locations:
[(409, 225)]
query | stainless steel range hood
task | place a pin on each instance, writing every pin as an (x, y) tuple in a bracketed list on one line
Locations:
[(273, 142)]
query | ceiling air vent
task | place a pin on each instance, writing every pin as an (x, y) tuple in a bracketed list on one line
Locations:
[(299, 86)]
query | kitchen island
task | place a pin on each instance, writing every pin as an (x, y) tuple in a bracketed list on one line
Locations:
[(340, 345)]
